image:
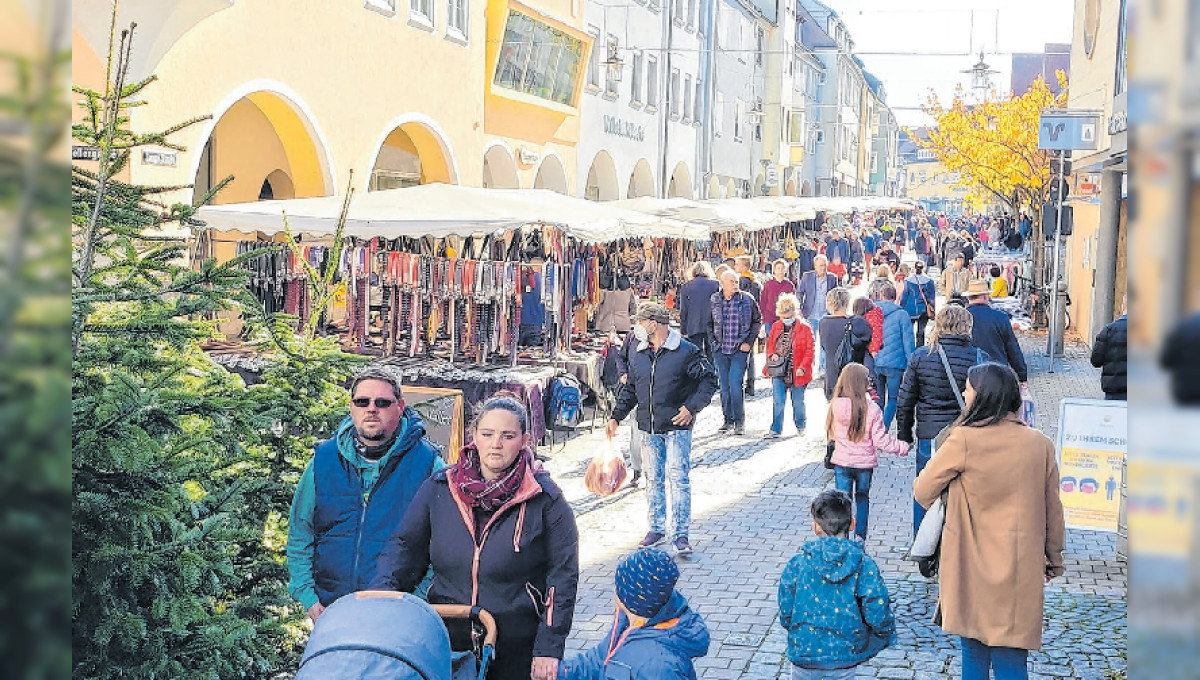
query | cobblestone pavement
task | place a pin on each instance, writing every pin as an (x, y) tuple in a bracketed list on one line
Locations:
[(750, 514)]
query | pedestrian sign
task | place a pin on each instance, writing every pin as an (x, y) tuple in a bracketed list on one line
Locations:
[(1092, 444)]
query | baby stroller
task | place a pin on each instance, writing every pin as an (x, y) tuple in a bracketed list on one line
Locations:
[(386, 635)]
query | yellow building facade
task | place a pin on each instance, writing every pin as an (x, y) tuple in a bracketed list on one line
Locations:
[(536, 57), (300, 95)]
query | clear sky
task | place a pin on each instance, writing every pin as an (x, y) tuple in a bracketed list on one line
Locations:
[(1000, 27)]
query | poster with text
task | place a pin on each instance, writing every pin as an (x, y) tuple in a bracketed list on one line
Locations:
[(1092, 436)]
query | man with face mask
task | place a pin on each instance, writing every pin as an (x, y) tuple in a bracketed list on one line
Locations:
[(669, 383)]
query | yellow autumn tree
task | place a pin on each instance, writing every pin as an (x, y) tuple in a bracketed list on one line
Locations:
[(993, 144)]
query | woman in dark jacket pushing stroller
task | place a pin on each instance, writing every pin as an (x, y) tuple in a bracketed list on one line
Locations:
[(499, 535)]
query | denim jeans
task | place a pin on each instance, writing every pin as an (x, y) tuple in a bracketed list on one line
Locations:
[(978, 659), (818, 355), (635, 442), (857, 483), (924, 453), (781, 392), (889, 391), (668, 458), (799, 673), (731, 370), (919, 324)]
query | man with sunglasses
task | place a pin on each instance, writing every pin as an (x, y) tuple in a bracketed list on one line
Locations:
[(354, 492)]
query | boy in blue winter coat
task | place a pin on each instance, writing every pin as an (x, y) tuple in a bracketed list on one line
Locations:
[(832, 599), (654, 636)]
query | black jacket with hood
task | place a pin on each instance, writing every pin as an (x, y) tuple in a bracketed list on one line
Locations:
[(523, 567)]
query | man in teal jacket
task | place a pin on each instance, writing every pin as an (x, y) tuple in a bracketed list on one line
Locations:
[(354, 492)]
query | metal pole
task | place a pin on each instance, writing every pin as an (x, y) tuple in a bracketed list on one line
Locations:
[(1054, 300)]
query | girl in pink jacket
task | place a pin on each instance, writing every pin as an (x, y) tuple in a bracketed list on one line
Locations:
[(855, 424)]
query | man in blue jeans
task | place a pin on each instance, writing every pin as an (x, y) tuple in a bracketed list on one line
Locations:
[(811, 292), (898, 346), (736, 321), (669, 383)]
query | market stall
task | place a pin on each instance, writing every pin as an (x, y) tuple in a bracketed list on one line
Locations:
[(468, 289)]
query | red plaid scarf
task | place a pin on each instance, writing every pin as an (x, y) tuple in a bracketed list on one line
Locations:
[(488, 495)]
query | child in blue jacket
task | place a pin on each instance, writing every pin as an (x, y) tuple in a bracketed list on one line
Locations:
[(654, 636), (832, 599)]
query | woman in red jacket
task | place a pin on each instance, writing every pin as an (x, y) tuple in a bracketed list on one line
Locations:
[(793, 343), (500, 535)]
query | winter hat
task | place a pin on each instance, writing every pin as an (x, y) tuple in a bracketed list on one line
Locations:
[(645, 581)]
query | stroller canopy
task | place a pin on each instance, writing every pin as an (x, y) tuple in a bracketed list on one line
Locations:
[(376, 636)]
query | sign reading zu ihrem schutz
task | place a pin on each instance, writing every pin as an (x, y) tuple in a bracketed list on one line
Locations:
[(1092, 444)]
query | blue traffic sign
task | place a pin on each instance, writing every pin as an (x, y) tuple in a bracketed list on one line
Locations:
[(1067, 130)]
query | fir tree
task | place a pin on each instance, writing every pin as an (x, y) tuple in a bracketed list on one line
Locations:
[(161, 468)]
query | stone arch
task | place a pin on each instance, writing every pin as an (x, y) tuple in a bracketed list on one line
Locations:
[(641, 182), (791, 187), (551, 175), (277, 186), (259, 128), (681, 182), (806, 188), (602, 179), (499, 168), (412, 150), (714, 188), (731, 189)]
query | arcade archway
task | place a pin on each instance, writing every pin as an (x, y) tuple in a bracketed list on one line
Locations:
[(641, 182), (602, 179)]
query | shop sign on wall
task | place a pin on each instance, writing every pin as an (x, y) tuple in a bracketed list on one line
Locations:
[(623, 128), (1092, 443)]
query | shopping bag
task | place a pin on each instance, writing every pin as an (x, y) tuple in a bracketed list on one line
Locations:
[(606, 471), (926, 547), (1028, 414)]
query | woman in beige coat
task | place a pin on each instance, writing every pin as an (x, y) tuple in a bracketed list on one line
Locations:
[(1003, 537)]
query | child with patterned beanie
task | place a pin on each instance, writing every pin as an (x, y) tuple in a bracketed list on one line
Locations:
[(832, 599), (655, 635)]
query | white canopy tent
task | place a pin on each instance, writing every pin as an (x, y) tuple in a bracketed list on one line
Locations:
[(701, 217), (442, 210)]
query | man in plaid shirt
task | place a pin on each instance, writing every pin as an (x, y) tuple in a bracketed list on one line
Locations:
[(735, 324)]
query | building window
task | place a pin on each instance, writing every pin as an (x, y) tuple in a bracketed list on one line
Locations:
[(457, 17), (677, 12), (421, 10), (739, 110), (611, 84), (758, 119), (635, 91), (593, 69), (687, 98), (538, 59), (674, 93), (796, 127), (699, 100), (875, 161), (760, 45), (651, 81), (384, 6)]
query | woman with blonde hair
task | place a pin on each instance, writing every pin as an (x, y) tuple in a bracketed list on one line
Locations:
[(790, 350), (933, 383), (854, 422)]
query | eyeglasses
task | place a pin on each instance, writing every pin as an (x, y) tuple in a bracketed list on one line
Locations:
[(379, 402)]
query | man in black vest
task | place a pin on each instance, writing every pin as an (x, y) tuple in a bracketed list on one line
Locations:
[(354, 492)]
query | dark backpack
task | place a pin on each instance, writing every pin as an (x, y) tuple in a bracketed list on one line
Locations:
[(564, 402)]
